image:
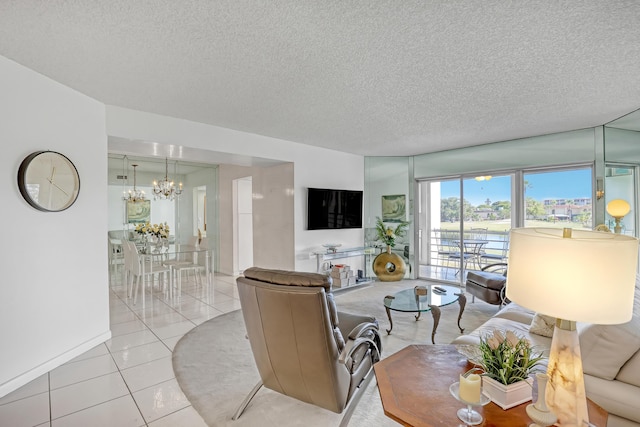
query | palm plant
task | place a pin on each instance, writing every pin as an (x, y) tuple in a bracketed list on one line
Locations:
[(389, 235)]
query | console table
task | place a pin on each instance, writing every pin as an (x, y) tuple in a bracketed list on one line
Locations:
[(414, 389), (365, 251)]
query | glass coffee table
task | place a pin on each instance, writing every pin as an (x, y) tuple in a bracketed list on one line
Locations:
[(425, 298)]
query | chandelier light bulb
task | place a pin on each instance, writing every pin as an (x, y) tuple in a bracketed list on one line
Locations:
[(135, 195), (165, 189)]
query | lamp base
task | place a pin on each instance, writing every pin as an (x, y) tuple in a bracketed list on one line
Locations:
[(617, 228), (565, 394)]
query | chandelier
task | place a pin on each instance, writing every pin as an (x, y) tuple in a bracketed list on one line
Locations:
[(135, 195), (165, 188)]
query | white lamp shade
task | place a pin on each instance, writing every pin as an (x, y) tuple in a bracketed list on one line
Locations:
[(589, 277)]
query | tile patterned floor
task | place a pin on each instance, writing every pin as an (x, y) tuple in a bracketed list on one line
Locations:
[(128, 380)]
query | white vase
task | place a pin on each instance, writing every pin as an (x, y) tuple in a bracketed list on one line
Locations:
[(539, 413), (507, 396)]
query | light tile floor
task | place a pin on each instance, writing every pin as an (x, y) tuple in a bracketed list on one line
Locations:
[(128, 380)]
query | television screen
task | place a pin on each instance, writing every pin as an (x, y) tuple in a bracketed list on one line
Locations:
[(332, 209)]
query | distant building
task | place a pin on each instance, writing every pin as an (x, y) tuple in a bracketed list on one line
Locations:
[(484, 213), (566, 209)]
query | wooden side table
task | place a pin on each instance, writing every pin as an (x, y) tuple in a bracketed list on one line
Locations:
[(414, 389)]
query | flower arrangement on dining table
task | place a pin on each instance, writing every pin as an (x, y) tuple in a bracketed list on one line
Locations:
[(507, 358), (160, 231), (389, 235)]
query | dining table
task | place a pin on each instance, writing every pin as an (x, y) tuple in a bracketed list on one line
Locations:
[(474, 248), (177, 258)]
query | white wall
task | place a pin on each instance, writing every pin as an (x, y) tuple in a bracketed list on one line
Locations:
[(273, 217), (314, 167), (55, 302)]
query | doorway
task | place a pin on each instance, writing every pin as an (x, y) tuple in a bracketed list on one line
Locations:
[(200, 210), (242, 224)]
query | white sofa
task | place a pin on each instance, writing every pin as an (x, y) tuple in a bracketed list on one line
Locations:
[(610, 357)]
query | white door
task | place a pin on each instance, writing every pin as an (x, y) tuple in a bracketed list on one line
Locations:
[(242, 224)]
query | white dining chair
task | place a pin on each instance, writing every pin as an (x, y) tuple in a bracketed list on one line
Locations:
[(140, 273), (187, 261), (126, 266), (116, 256)]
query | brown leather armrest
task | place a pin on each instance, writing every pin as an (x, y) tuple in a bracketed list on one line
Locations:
[(347, 322), (352, 346), (361, 329)]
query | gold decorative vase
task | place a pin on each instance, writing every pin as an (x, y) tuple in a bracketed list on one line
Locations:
[(389, 267)]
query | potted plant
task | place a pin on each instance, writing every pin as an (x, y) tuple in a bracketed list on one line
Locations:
[(508, 361), (388, 266), (389, 235)]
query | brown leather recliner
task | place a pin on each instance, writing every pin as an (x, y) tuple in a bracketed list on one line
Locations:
[(303, 347)]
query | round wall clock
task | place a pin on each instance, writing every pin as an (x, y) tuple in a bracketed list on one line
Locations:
[(48, 181)]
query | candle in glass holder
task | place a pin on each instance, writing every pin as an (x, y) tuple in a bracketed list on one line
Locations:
[(470, 388)]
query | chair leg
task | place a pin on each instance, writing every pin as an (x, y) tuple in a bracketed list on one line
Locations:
[(246, 401), (362, 387), (134, 291)]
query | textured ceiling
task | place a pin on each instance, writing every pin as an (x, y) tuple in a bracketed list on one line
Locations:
[(368, 77)]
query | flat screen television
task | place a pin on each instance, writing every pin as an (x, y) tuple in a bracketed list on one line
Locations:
[(333, 209)]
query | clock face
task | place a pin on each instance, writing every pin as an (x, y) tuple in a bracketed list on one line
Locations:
[(48, 181)]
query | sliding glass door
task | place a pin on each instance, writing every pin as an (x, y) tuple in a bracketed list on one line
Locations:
[(464, 224)]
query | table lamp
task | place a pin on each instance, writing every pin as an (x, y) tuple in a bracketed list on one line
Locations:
[(618, 208), (575, 276)]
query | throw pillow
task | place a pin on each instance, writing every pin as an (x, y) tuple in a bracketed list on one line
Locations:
[(542, 325)]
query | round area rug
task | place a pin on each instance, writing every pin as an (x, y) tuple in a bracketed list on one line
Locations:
[(214, 365)]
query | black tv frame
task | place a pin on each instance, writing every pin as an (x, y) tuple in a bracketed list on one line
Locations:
[(332, 209)]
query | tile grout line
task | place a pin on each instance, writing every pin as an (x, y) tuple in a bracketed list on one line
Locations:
[(168, 348)]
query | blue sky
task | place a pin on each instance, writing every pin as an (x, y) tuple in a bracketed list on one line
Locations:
[(548, 185)]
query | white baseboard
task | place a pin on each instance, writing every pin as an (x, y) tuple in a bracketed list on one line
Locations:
[(32, 374)]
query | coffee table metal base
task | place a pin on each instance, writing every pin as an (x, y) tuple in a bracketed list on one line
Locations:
[(435, 313)]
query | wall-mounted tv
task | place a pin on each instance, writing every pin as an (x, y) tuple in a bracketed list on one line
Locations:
[(333, 209)]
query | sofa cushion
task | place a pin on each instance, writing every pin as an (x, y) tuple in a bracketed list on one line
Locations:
[(540, 343), (542, 325), (606, 348), (615, 396), (630, 372), (517, 313)]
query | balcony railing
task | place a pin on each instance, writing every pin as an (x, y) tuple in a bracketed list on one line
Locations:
[(450, 253)]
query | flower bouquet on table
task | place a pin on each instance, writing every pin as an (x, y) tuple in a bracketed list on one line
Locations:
[(159, 233), (143, 228), (389, 235), (508, 361)]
